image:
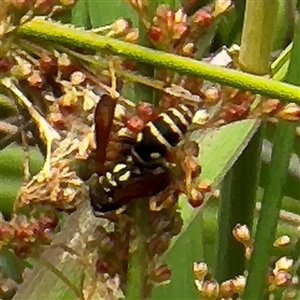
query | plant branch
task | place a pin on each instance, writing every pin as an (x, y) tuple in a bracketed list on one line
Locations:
[(54, 32)]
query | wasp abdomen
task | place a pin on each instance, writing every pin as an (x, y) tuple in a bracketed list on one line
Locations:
[(159, 136)]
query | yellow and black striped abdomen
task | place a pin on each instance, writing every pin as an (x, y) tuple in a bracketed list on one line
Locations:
[(160, 135)]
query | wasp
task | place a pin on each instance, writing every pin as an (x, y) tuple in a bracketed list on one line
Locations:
[(125, 179), (141, 170)]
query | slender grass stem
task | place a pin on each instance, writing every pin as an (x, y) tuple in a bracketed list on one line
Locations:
[(53, 32)]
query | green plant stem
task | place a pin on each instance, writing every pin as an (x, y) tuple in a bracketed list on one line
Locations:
[(137, 262), (269, 213), (67, 36), (259, 22), (142, 92)]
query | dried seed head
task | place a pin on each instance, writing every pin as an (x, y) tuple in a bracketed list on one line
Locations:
[(179, 25), (121, 26), (24, 235), (202, 18), (270, 106), (200, 270), (210, 289), (189, 49), (155, 34), (200, 117), (241, 233), (284, 264), (204, 186), (216, 194), (6, 64), (227, 289), (195, 198), (212, 95), (282, 278), (35, 79), (239, 284), (282, 241), (248, 252), (234, 112), (162, 274), (77, 78), (291, 112), (221, 6), (132, 36)]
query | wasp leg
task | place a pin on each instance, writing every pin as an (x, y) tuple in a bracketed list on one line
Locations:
[(113, 90)]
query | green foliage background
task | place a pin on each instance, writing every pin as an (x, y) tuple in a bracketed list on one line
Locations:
[(220, 151)]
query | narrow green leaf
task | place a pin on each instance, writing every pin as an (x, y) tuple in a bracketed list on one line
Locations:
[(281, 62)]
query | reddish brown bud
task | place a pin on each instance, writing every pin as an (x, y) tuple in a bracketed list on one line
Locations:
[(162, 273), (202, 18), (146, 112), (196, 198), (5, 64), (135, 124), (270, 106), (155, 34)]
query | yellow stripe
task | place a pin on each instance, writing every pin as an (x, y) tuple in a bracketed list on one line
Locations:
[(118, 168), (180, 116), (171, 124), (125, 176), (187, 110), (158, 136)]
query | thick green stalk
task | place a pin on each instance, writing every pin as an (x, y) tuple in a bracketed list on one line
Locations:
[(259, 23), (53, 32)]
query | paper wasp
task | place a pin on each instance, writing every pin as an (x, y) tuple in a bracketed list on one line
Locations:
[(140, 171), (125, 179)]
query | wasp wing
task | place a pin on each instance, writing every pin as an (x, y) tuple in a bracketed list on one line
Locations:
[(104, 116), (141, 187)]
